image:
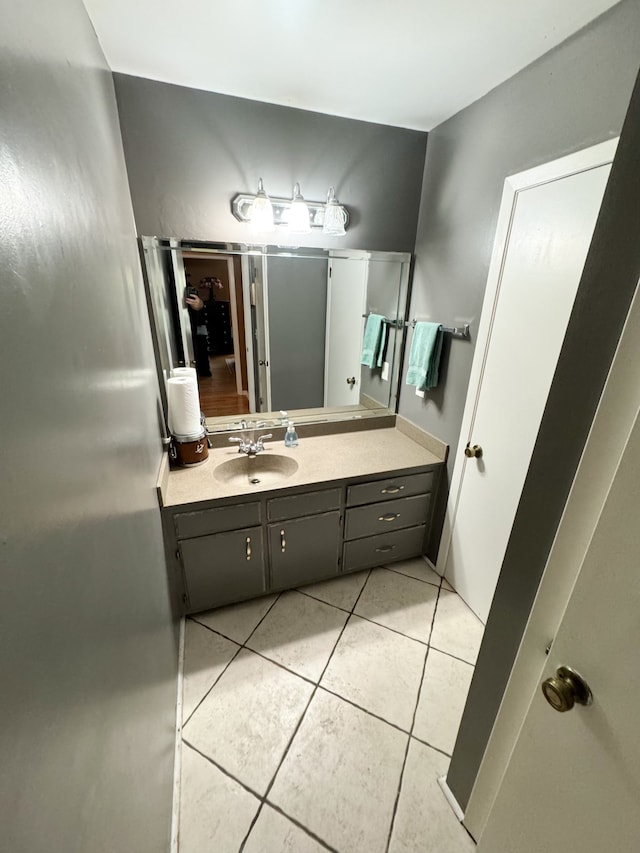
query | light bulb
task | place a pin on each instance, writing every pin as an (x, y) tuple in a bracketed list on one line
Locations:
[(262, 211), (299, 222), (334, 216)]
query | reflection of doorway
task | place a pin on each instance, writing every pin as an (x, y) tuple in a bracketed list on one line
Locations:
[(225, 391)]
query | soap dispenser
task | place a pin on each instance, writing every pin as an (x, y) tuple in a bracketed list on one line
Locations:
[(291, 436)]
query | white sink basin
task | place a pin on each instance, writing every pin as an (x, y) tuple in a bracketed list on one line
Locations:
[(263, 469)]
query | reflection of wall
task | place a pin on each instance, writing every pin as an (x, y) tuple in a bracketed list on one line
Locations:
[(383, 286), (87, 658), (189, 152), (297, 323)]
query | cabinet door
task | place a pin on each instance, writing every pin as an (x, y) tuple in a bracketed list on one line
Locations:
[(223, 567), (305, 549)]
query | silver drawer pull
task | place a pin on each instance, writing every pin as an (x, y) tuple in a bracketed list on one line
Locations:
[(248, 547), (391, 516), (385, 549), (391, 490), (283, 542)]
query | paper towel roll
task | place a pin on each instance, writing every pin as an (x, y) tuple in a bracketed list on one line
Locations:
[(185, 371), (184, 406)]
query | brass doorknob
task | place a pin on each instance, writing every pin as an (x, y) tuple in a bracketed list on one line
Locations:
[(566, 688), (475, 451)]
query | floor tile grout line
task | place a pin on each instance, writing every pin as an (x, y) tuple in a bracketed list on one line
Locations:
[(262, 799), (302, 716), (236, 653), (301, 826), (430, 745), (413, 722), (413, 577), (364, 710), (451, 655)]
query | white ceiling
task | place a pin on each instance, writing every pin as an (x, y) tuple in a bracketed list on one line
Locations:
[(410, 63)]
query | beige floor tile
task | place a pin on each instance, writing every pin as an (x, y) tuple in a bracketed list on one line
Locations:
[(237, 621), (341, 592), (399, 602), (416, 568), (444, 693), (205, 656), (207, 800), (341, 775), (378, 670), (424, 820), (274, 833), (456, 629), (248, 718), (299, 633), (447, 585)]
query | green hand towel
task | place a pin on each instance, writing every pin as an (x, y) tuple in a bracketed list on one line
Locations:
[(424, 357), (372, 338)]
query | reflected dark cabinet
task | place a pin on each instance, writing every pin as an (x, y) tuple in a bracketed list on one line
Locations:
[(220, 334)]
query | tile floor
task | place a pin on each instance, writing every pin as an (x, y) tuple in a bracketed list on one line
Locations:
[(320, 719)]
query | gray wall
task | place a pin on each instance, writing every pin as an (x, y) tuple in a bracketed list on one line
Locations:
[(189, 152), (297, 290), (607, 286), (87, 657), (574, 96)]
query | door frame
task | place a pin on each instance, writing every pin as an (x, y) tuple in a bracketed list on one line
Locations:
[(616, 414), (589, 158)]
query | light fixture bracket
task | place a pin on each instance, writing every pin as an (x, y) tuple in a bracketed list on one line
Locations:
[(241, 209)]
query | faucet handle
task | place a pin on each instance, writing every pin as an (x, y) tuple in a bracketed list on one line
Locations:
[(235, 438), (262, 438)]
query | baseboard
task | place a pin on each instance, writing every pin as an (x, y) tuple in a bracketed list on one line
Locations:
[(431, 565), (446, 790), (177, 760)]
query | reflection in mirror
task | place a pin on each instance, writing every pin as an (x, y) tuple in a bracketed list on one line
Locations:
[(271, 330)]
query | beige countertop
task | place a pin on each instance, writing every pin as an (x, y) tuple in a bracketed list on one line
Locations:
[(320, 459)]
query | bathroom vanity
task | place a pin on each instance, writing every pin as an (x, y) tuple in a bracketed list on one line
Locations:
[(236, 528)]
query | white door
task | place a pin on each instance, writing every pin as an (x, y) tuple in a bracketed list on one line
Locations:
[(260, 306), (544, 232), (573, 779), (346, 298)]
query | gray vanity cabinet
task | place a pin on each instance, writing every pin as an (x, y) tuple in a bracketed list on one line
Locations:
[(226, 551), (387, 520), (304, 549), (222, 568)]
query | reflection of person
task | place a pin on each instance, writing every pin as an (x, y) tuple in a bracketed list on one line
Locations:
[(199, 300)]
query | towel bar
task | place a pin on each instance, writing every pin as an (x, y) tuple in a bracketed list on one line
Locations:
[(454, 331)]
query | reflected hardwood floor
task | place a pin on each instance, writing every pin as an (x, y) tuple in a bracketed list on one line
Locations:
[(218, 393)]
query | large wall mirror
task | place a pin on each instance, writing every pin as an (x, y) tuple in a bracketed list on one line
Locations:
[(273, 329)]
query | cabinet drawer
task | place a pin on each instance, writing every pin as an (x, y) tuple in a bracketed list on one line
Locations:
[(307, 504), (388, 515), (222, 568), (304, 550), (206, 521), (385, 548), (394, 487)]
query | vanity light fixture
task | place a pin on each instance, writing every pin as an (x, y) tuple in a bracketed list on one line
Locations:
[(334, 216), (299, 219), (266, 213), (262, 211)]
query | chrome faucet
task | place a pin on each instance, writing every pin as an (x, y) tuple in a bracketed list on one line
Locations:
[(251, 448)]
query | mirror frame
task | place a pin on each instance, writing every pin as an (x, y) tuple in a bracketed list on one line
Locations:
[(157, 301)]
